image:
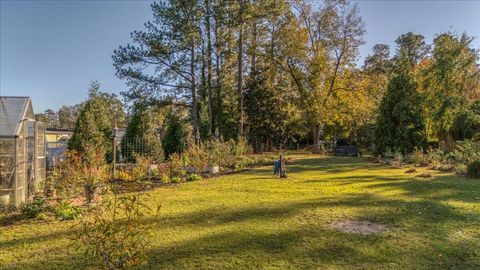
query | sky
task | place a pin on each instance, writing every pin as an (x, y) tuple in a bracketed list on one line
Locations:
[(52, 50)]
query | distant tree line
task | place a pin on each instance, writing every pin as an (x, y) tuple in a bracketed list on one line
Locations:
[(66, 116)]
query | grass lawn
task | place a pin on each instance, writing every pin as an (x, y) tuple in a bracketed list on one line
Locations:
[(251, 221)]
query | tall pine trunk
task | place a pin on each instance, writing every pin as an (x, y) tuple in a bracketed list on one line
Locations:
[(209, 67), (203, 78), (218, 83), (240, 69), (254, 46), (194, 93)]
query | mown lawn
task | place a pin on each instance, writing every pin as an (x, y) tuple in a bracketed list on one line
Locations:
[(251, 221)]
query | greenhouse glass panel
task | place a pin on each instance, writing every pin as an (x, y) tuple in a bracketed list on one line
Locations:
[(22, 151)]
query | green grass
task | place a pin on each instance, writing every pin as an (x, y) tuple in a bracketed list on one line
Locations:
[(251, 221)]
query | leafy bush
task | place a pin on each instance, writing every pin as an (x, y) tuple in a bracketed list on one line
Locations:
[(473, 169), (241, 147), (142, 170), (466, 152), (239, 167), (165, 179), (65, 178), (197, 157), (226, 154), (177, 179), (466, 124), (217, 152), (35, 209), (435, 157), (397, 160), (39, 208), (123, 175), (114, 234), (193, 177), (175, 139), (67, 211), (449, 167), (418, 157), (177, 164)]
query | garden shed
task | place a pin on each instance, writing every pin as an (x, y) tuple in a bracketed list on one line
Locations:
[(22, 151)]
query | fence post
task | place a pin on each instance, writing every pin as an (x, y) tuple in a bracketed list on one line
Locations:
[(171, 169), (114, 143)]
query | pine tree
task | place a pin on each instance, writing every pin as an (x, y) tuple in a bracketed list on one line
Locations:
[(141, 136), (170, 47), (175, 139), (264, 110), (400, 123), (93, 129)]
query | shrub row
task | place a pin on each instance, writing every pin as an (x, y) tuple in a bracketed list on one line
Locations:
[(465, 159), (39, 208)]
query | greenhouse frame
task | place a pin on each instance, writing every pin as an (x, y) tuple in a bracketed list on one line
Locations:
[(22, 151)]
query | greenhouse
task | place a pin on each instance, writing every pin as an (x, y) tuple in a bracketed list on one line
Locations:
[(22, 151)]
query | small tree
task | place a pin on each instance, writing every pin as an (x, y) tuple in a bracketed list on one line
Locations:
[(114, 233), (400, 124), (175, 140), (141, 136), (93, 128), (91, 140)]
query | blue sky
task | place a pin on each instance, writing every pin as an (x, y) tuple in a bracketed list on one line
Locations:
[(52, 50)]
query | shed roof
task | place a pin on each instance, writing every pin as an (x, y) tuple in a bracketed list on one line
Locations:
[(12, 111)]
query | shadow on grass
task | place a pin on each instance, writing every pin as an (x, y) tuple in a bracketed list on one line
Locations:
[(309, 242), (426, 214), (244, 250), (11, 218)]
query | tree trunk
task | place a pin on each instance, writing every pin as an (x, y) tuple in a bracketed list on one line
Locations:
[(317, 131), (218, 86), (203, 79), (446, 142), (240, 70), (194, 93), (254, 46), (209, 67)]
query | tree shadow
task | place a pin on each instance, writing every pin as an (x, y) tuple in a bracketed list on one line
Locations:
[(394, 213), (228, 237)]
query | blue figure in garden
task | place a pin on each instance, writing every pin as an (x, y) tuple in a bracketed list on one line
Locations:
[(280, 168)]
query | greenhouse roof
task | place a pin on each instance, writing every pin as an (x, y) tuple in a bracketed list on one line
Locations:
[(12, 111)]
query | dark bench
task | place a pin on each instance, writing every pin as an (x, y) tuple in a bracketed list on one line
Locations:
[(346, 150)]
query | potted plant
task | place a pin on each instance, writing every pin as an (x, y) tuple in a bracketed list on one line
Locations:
[(4, 197), (213, 169), (215, 156)]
